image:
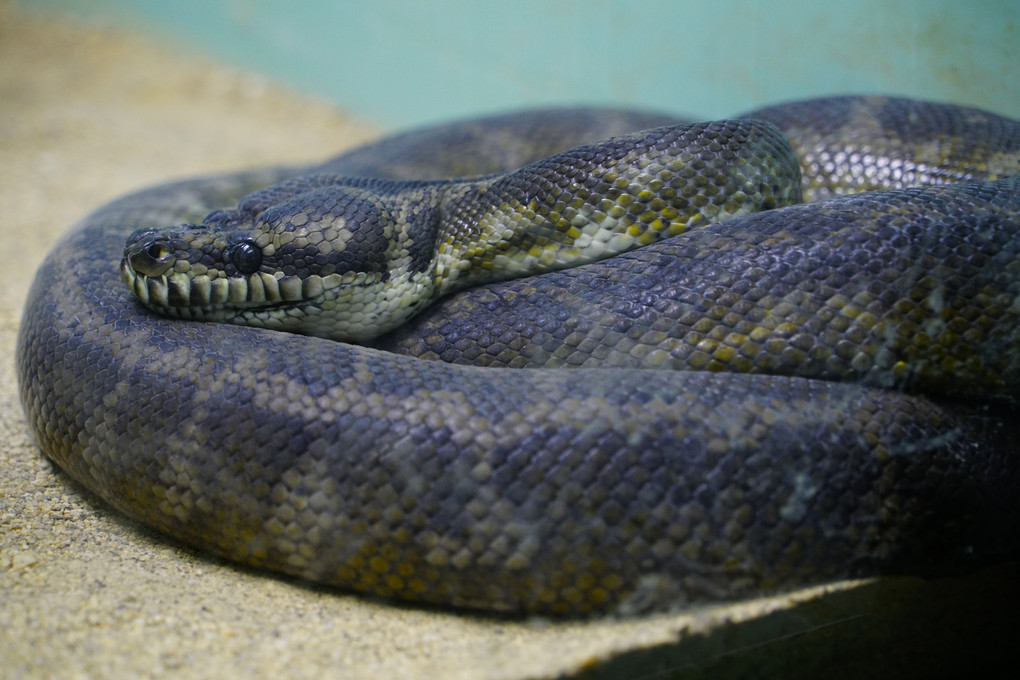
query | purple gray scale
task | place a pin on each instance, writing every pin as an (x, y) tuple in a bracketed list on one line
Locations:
[(844, 405)]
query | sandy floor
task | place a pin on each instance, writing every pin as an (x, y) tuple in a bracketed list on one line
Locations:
[(87, 114)]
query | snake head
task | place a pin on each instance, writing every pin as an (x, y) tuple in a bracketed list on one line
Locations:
[(195, 270), (323, 259)]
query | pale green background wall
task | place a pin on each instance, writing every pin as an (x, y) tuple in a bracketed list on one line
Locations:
[(403, 62)]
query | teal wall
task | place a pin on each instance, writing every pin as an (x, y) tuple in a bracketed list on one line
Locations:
[(406, 62)]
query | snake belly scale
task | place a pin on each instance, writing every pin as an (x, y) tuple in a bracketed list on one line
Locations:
[(844, 370)]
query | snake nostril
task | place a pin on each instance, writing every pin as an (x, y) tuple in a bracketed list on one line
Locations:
[(151, 257), (157, 251)]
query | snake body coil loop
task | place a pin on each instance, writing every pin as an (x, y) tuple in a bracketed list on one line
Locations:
[(844, 371)]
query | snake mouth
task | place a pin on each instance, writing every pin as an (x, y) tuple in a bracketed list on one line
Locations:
[(203, 297)]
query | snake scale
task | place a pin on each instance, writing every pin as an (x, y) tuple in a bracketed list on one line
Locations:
[(842, 399)]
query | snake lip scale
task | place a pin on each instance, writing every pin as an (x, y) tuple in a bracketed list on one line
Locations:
[(726, 392)]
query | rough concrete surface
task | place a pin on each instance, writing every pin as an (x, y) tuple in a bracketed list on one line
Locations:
[(87, 114)]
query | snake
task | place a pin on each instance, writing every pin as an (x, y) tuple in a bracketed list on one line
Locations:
[(567, 362)]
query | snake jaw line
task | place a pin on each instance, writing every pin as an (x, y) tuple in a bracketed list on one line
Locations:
[(286, 303)]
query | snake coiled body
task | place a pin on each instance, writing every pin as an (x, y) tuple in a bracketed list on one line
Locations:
[(842, 401)]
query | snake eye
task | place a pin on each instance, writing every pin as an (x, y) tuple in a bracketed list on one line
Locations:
[(246, 256)]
